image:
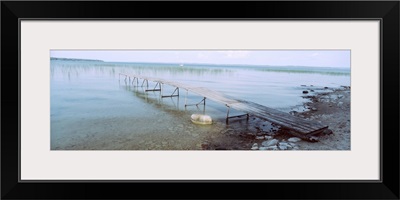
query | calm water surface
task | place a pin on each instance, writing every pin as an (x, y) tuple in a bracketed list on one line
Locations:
[(94, 108)]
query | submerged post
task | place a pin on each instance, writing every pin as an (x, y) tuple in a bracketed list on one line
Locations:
[(134, 78), (227, 115), (187, 91)]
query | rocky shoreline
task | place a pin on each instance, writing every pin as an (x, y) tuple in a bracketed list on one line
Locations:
[(329, 106)]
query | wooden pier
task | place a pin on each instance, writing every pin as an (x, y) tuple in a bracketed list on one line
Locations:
[(294, 125)]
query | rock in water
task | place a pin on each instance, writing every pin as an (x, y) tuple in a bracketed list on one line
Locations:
[(305, 92), (201, 119)]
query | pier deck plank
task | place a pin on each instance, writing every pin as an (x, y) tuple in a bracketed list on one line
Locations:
[(299, 125)]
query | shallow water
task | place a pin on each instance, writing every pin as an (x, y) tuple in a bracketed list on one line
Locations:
[(94, 108)]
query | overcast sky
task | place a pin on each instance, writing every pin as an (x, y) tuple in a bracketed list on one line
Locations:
[(323, 58)]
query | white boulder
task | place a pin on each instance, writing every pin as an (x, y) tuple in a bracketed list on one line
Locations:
[(201, 119)]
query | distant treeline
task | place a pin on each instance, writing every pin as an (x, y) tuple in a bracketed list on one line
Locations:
[(74, 59)]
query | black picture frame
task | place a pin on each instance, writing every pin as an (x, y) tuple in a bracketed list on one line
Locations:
[(386, 11)]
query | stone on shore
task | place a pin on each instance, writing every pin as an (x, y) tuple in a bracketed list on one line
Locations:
[(268, 137), (314, 139), (273, 148), (260, 137), (292, 144), (269, 143), (294, 139), (327, 132), (284, 146), (254, 147)]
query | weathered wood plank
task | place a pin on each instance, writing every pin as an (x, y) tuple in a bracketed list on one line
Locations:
[(275, 119), (282, 122), (296, 123), (213, 95), (311, 124)]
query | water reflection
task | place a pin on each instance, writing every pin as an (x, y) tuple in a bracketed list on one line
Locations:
[(171, 105), (72, 70)]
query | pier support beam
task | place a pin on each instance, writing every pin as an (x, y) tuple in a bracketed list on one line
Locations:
[(158, 89), (187, 91), (133, 81), (145, 81), (228, 117), (197, 104), (173, 94)]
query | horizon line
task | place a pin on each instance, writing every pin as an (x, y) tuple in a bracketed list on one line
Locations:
[(181, 63)]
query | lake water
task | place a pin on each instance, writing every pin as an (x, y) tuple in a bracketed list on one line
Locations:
[(94, 108)]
